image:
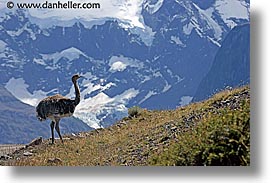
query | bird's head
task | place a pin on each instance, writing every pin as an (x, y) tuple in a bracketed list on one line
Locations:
[(76, 77)]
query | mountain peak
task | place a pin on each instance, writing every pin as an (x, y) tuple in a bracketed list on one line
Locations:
[(151, 53)]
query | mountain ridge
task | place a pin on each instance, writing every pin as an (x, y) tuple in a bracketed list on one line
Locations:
[(172, 53), (231, 65)]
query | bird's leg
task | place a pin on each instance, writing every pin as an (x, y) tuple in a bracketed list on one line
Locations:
[(52, 127), (58, 130)]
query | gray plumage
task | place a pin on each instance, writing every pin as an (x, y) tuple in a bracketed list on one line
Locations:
[(56, 107)]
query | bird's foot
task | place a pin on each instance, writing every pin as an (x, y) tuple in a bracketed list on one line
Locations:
[(51, 142)]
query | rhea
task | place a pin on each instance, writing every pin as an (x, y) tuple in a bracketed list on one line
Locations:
[(57, 107)]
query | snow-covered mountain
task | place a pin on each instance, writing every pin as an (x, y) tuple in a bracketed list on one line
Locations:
[(150, 53)]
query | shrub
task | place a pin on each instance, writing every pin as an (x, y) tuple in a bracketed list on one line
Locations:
[(135, 111), (219, 139)]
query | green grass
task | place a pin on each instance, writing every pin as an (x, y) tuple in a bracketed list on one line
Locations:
[(134, 112), (219, 139), (213, 132)]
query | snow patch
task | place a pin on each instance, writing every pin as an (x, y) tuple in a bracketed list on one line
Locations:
[(229, 9), (89, 87), (120, 63), (166, 87), (177, 40), (207, 14), (149, 94), (145, 78), (118, 66), (146, 34), (153, 8), (157, 74), (187, 29), (70, 53), (19, 89), (21, 30), (2, 46), (89, 109), (185, 100), (39, 61), (172, 75)]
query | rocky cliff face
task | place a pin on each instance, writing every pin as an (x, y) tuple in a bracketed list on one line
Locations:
[(231, 66)]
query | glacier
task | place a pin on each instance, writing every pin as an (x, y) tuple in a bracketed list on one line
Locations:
[(19, 89)]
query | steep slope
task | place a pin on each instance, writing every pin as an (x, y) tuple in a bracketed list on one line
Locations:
[(231, 66), (218, 129), (18, 124)]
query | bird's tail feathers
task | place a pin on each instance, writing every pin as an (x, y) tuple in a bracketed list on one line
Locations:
[(40, 118)]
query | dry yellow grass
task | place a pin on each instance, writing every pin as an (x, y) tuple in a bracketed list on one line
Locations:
[(131, 141)]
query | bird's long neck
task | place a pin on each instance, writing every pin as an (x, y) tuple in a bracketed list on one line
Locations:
[(77, 93)]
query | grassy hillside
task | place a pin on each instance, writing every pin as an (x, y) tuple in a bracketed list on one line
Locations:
[(213, 132)]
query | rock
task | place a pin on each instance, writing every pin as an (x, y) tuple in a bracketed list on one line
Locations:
[(98, 130), (35, 142), (73, 134), (141, 119), (79, 135), (5, 157), (164, 139), (72, 138), (64, 138), (174, 128), (54, 160), (167, 127), (123, 123), (27, 153)]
